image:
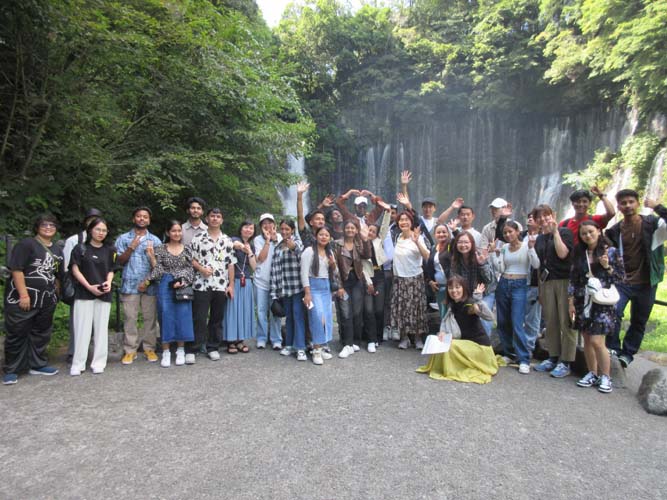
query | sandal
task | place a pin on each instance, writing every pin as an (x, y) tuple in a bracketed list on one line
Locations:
[(241, 347), (231, 349)]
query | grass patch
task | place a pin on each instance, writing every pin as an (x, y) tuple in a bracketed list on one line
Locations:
[(655, 338)]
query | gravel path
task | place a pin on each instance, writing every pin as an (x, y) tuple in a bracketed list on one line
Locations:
[(260, 426)]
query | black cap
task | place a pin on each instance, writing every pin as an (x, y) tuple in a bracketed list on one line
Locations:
[(93, 212), (581, 193), (430, 200)]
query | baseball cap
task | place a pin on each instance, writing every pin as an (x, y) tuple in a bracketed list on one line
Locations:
[(498, 203), (265, 216), (360, 199), (430, 200)]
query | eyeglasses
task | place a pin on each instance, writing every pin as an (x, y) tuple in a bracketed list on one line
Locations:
[(47, 224), (100, 230)]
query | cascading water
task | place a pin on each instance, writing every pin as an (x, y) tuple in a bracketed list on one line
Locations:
[(481, 156), (296, 165)]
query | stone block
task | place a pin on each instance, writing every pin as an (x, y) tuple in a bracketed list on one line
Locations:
[(652, 392)]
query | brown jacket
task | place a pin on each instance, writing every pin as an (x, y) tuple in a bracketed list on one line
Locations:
[(360, 251)]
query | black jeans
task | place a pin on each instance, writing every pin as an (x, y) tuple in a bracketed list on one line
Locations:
[(641, 298), (208, 333), (351, 310), (379, 303), (28, 335)]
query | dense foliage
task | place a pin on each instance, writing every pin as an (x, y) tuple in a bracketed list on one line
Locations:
[(363, 74), (118, 103), (114, 103)]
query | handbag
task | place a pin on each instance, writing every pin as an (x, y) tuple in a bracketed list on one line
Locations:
[(182, 294), (599, 295), (278, 308), (67, 289), (449, 325)]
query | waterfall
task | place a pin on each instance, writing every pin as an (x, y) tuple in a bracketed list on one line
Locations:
[(371, 182), (656, 176), (296, 165)]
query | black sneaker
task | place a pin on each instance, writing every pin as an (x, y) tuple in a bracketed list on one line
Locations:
[(625, 360)]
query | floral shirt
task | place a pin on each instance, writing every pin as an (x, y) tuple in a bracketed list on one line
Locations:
[(216, 254), (179, 266)]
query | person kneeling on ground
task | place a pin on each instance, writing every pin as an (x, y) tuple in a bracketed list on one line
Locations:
[(470, 357)]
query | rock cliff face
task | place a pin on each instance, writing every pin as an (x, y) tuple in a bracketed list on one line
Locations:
[(484, 155)]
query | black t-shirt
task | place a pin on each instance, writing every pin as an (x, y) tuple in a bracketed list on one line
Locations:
[(559, 269), (470, 324), (41, 268), (95, 264)]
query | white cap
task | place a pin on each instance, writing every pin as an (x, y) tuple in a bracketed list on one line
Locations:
[(360, 199), (266, 216), (498, 203)]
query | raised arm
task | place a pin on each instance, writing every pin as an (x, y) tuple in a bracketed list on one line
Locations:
[(447, 214), (301, 188), (608, 206), (406, 177)]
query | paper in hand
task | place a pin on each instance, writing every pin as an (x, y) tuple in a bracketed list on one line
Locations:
[(433, 345)]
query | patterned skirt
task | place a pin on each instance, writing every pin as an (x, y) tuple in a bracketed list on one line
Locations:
[(408, 305), (602, 320)]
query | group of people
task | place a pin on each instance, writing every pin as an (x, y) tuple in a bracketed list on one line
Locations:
[(199, 290)]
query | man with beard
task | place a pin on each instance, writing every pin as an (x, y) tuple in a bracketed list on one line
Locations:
[(640, 239), (135, 251), (194, 225)]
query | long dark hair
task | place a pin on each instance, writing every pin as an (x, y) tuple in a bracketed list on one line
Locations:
[(600, 248), (91, 225), (315, 266), (457, 257), (170, 224)]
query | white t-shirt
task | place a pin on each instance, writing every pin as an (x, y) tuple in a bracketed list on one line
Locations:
[(407, 259), (262, 276)]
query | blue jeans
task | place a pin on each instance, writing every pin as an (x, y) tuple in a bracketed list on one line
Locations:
[(533, 317), (295, 322), (641, 298), (489, 300), (511, 298), (265, 319)]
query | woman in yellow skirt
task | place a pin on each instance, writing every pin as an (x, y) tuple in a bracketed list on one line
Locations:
[(470, 357)]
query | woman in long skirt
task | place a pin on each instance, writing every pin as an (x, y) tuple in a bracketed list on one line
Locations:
[(172, 266), (239, 323)]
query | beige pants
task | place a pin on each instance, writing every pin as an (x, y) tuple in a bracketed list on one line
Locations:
[(89, 316), (561, 339), (132, 303)]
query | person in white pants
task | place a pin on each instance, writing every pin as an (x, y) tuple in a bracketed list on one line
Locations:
[(92, 268)]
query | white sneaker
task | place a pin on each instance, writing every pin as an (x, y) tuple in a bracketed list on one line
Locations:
[(180, 356), (214, 356), (277, 346), (286, 351), (371, 347), (326, 355), (301, 355), (418, 343), (98, 371), (346, 352), (166, 359), (317, 356), (190, 359), (395, 334), (386, 333), (261, 344), (404, 344), (74, 372), (524, 368), (355, 347)]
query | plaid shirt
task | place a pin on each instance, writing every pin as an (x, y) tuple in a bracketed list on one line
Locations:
[(286, 270)]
